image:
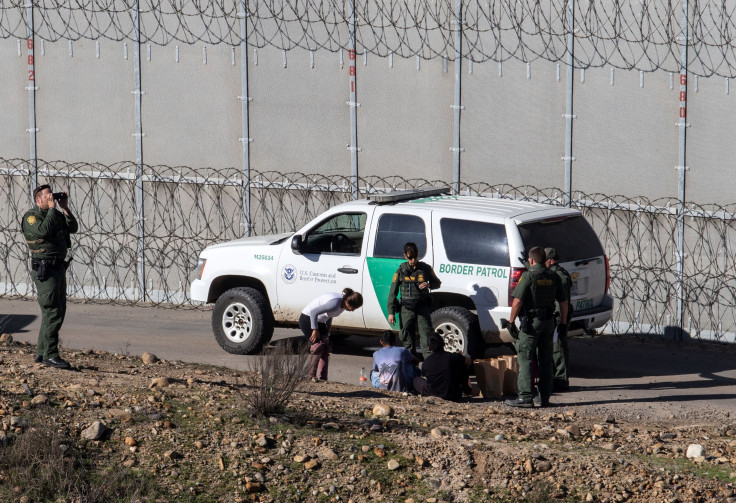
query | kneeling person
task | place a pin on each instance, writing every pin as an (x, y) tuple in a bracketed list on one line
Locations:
[(445, 374), (393, 366)]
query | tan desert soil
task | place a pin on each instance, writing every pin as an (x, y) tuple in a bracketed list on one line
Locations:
[(187, 428)]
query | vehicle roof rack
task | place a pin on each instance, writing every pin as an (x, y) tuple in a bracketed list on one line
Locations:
[(407, 195)]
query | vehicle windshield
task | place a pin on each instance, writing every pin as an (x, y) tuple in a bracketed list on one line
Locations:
[(572, 237)]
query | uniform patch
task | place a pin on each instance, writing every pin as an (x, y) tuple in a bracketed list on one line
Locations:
[(396, 275), (31, 219)]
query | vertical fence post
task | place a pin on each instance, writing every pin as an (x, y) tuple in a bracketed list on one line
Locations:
[(31, 88), (457, 103), (245, 111), (353, 103), (569, 100), (139, 154), (682, 165)]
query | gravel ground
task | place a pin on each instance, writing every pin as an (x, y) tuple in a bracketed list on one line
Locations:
[(182, 432)]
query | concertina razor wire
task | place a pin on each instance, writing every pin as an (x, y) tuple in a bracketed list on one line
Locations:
[(187, 209), (624, 34)]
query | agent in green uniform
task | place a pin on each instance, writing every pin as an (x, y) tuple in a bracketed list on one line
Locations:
[(560, 353), (46, 228), (534, 304), (414, 279)]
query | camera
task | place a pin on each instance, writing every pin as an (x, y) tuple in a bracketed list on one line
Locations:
[(60, 196)]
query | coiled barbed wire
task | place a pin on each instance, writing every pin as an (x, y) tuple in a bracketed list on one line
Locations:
[(187, 210), (625, 34)]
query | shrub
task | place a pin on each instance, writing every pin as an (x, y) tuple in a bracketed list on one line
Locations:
[(273, 376)]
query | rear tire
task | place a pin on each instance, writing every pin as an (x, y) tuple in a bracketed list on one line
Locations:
[(241, 321), (460, 330)]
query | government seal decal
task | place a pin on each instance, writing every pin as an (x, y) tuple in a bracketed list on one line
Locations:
[(31, 219)]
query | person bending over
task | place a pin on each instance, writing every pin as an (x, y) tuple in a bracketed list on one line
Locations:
[(315, 322)]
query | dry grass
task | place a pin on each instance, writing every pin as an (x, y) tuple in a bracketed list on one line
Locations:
[(44, 464)]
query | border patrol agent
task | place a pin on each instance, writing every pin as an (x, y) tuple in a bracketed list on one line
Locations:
[(560, 351), (414, 279), (534, 303), (47, 227)]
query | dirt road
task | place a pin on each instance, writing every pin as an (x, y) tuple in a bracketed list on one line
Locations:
[(620, 375)]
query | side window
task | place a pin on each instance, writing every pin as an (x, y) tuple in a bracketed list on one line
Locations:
[(472, 242), (341, 234), (394, 231)]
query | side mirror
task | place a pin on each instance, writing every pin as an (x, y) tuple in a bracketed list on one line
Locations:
[(296, 243)]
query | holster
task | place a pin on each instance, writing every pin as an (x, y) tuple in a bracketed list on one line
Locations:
[(525, 324)]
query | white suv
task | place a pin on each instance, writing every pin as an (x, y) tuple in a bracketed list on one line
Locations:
[(473, 243)]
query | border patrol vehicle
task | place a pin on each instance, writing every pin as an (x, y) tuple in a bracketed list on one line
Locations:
[(474, 245)]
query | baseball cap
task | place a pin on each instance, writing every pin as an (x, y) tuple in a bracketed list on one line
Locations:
[(39, 189), (551, 253)]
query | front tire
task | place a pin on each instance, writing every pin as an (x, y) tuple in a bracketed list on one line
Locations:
[(241, 321), (460, 330)]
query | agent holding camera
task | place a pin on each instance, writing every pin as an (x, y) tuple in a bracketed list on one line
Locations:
[(47, 227), (415, 280)]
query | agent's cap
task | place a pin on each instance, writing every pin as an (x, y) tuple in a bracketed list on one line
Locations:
[(39, 189), (551, 254)]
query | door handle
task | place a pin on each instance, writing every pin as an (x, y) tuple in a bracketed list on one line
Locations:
[(348, 270)]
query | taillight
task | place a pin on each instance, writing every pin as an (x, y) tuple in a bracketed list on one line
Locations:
[(608, 274), (516, 273)]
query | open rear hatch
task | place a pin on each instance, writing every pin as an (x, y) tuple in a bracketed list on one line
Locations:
[(580, 252)]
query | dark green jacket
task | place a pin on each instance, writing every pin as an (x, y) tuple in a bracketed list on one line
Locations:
[(539, 288), (407, 281), (566, 286), (47, 232)]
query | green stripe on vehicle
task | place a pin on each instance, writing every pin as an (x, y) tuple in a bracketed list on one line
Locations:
[(382, 271)]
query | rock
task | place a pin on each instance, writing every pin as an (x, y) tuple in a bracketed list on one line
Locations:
[(543, 465), (383, 410), (199, 444), (312, 464), (262, 442), (327, 453), (253, 487), (300, 458), (393, 465), (96, 431), (6, 339), (500, 437), (589, 498), (528, 466), (610, 419), (695, 451), (160, 382), (365, 448), (40, 400), (123, 415), (149, 358), (380, 452), (172, 455), (574, 430), (437, 433), (130, 442)]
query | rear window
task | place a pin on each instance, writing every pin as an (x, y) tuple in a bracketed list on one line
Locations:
[(572, 238), (472, 242)]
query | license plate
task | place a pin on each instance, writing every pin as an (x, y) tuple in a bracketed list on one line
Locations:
[(583, 304)]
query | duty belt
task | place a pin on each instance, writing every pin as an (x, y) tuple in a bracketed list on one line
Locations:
[(50, 262), (542, 313)]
